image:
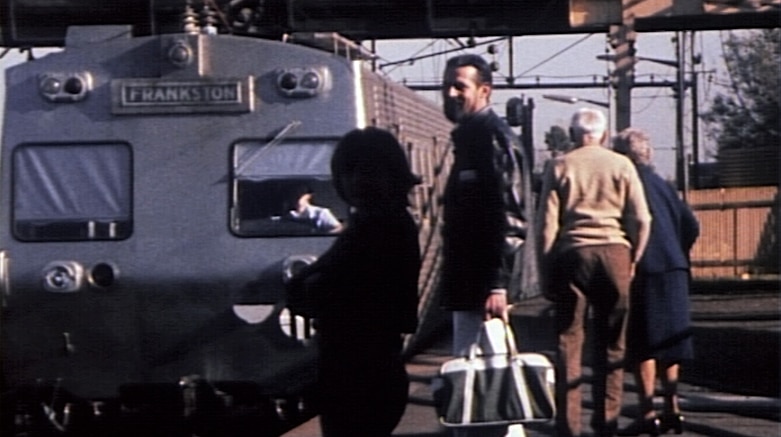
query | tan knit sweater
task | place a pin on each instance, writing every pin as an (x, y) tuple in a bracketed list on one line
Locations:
[(592, 196)]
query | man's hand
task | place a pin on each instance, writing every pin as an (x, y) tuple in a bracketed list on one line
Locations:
[(496, 306)]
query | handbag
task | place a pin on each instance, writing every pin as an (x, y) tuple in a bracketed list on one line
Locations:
[(495, 388)]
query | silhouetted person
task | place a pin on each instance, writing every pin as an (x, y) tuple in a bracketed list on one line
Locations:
[(363, 291)]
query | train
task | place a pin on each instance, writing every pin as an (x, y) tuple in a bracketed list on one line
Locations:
[(146, 181)]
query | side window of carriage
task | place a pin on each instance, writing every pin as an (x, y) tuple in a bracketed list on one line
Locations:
[(284, 188), (72, 192)]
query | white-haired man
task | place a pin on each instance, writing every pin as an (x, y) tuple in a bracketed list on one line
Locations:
[(594, 224)]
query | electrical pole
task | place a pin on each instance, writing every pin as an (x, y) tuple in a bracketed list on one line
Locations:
[(622, 40), (695, 167), (680, 100)]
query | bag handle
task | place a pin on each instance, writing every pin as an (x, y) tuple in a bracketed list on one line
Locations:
[(519, 380), (509, 339)]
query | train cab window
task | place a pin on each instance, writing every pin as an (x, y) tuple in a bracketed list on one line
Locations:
[(72, 192), (284, 189)]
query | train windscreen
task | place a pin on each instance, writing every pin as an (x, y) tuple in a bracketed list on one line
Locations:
[(284, 189), (72, 192)]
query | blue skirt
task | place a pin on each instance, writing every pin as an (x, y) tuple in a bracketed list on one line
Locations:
[(659, 318)]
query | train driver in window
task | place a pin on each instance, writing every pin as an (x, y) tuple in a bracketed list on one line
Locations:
[(304, 211)]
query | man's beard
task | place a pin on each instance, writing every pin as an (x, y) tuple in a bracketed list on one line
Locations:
[(453, 109)]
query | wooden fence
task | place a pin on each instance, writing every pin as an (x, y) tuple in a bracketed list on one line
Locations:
[(738, 232)]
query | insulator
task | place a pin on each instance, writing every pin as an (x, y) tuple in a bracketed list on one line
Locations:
[(208, 21), (190, 19)]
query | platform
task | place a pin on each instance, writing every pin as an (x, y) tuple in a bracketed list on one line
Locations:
[(730, 390)]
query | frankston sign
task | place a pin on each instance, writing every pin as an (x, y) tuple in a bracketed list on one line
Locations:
[(154, 96)]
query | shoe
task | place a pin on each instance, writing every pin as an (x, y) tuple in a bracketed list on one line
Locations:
[(650, 426), (608, 429), (672, 422)]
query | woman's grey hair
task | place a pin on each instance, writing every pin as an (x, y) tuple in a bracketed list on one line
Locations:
[(635, 144)]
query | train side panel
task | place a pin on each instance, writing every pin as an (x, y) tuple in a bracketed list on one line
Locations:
[(424, 132)]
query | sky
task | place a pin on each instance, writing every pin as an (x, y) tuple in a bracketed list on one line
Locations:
[(557, 59)]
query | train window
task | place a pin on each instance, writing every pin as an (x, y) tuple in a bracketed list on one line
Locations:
[(72, 192), (284, 189)]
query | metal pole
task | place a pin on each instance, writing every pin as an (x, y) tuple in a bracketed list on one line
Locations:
[(511, 61), (573, 99), (528, 139), (695, 168), (374, 52), (680, 161), (622, 40)]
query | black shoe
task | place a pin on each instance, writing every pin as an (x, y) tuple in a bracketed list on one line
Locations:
[(672, 422), (607, 430), (650, 426)]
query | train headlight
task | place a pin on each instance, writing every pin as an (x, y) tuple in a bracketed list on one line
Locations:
[(50, 86), (65, 87), (63, 276), (180, 54), (310, 80), (287, 82), (74, 86), (103, 275), (302, 82)]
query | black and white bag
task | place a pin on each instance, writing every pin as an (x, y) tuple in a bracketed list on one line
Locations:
[(496, 387)]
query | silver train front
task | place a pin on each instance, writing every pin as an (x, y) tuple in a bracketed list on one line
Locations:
[(143, 240)]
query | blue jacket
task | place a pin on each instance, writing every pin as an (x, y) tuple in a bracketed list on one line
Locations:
[(674, 228)]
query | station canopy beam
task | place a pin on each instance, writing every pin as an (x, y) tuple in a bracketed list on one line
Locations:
[(39, 23)]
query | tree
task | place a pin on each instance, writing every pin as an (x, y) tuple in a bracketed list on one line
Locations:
[(748, 116)]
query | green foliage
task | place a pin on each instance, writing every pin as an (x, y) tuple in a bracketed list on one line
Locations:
[(748, 115)]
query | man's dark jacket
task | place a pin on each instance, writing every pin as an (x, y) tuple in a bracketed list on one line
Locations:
[(483, 189)]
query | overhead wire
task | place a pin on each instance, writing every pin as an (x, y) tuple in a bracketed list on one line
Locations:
[(553, 56), (413, 59), (398, 64), (542, 12)]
